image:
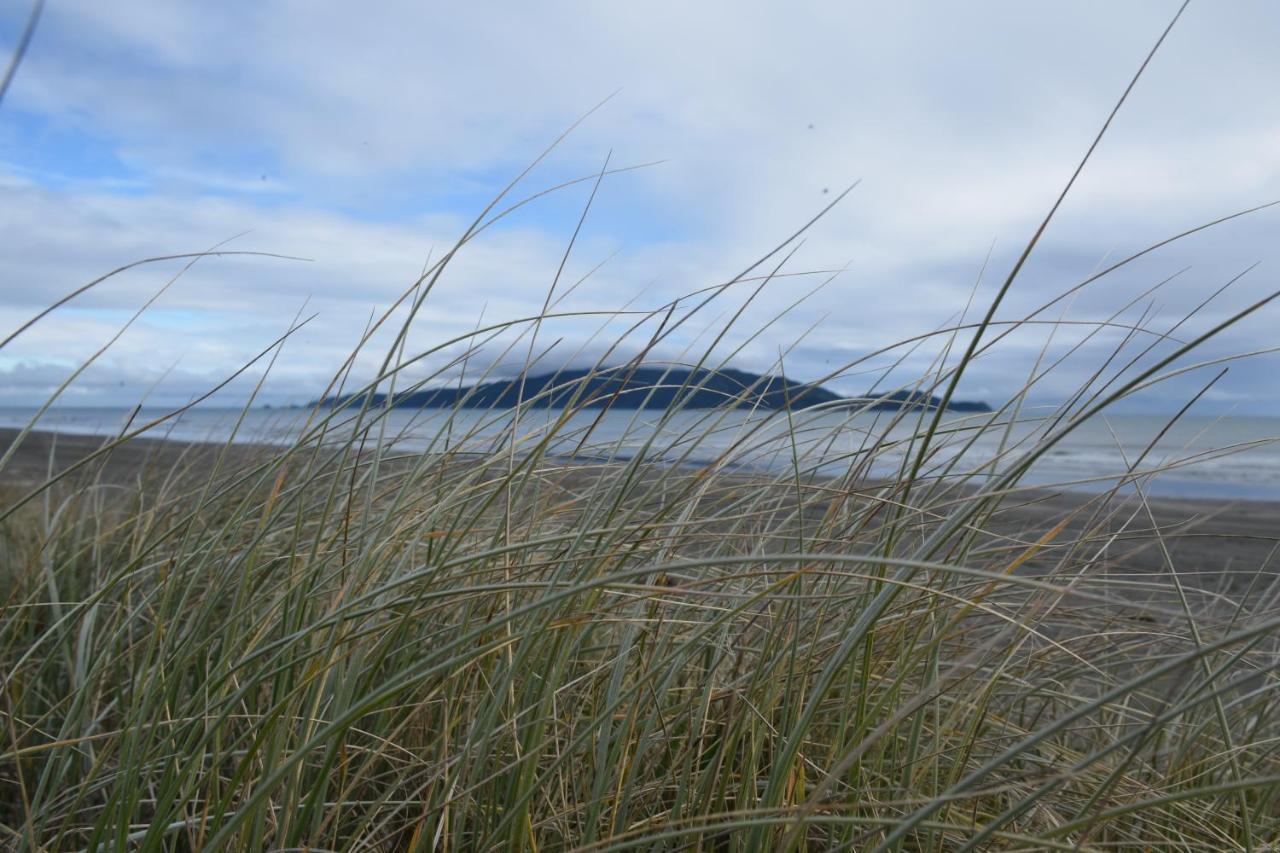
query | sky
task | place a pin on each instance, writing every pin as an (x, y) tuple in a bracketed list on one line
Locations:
[(362, 140)]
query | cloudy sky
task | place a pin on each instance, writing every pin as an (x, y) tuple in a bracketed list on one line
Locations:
[(365, 137)]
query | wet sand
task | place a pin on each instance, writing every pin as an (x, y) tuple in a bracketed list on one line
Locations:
[(45, 453)]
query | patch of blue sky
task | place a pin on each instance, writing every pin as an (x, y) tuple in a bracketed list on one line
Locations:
[(61, 153), (13, 19), (183, 320), (57, 154)]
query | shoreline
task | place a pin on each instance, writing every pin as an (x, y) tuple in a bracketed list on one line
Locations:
[(72, 445), (1239, 461), (1218, 541)]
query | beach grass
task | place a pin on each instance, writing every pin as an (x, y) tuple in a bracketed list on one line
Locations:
[(336, 644)]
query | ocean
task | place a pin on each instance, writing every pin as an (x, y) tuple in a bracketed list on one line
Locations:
[(1200, 456)]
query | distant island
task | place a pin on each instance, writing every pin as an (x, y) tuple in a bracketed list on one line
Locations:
[(648, 387)]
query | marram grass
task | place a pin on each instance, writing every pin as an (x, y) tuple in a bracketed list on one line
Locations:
[(493, 645)]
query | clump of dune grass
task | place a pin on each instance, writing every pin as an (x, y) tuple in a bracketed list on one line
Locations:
[(334, 644), (525, 637)]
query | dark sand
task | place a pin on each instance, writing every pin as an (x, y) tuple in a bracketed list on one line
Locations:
[(1215, 545), (134, 461)]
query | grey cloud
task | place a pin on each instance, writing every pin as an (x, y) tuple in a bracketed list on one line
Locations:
[(963, 119)]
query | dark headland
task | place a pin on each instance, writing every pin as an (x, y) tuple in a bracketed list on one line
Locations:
[(648, 387)]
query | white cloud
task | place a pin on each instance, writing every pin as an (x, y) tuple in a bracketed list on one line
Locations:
[(365, 138)]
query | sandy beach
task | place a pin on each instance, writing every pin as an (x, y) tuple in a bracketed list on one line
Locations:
[(42, 453)]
